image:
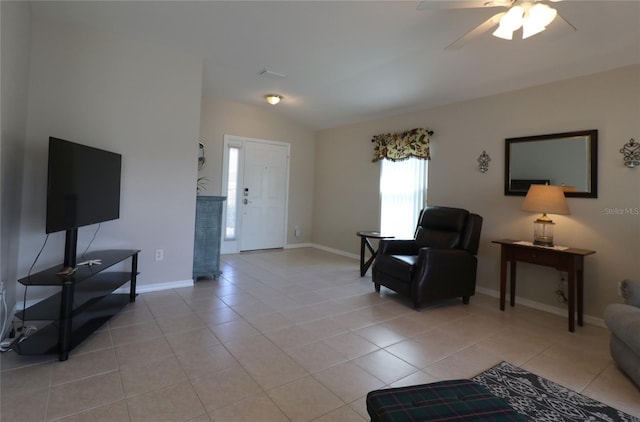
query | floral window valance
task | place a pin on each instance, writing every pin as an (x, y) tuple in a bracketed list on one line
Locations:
[(403, 145)]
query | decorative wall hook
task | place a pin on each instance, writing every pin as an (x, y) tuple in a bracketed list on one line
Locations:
[(484, 159), (631, 153)]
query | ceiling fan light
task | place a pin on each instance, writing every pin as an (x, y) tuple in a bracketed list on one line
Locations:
[(541, 15), (513, 19), (529, 30), (503, 32)]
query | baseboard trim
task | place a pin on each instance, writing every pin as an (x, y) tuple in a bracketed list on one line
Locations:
[(599, 322), (297, 245), (335, 251), (156, 287)]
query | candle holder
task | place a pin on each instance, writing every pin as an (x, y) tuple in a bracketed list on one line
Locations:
[(483, 161), (631, 153)]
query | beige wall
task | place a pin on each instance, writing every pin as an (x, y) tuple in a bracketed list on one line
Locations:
[(220, 117), (346, 182), (16, 36), (136, 99)]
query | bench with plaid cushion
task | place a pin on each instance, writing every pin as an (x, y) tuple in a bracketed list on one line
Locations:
[(459, 400)]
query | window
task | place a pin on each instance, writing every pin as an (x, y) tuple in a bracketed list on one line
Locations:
[(403, 193), (232, 193)]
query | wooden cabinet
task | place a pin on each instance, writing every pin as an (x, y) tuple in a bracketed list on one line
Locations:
[(83, 304), (206, 249)]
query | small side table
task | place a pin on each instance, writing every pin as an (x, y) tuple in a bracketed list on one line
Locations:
[(364, 241)]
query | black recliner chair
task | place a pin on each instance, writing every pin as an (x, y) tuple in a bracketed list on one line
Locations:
[(440, 263)]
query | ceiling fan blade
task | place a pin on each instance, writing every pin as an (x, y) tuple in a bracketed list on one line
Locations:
[(569, 24), (476, 32), (462, 4)]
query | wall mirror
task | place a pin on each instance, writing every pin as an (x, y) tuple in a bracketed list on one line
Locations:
[(567, 159)]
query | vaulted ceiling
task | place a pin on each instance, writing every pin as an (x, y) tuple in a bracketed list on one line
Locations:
[(349, 61)]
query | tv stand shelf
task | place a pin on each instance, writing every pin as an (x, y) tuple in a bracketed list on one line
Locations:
[(85, 302)]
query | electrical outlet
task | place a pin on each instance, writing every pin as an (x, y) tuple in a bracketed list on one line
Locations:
[(159, 254), (296, 231)]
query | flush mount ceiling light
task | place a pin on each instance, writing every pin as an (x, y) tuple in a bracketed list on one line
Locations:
[(532, 18), (273, 99)]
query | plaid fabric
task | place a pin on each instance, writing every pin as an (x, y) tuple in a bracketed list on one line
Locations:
[(460, 400)]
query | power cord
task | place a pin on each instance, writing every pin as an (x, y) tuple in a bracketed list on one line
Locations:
[(6, 345), (91, 241), (562, 298), (26, 331), (5, 318)]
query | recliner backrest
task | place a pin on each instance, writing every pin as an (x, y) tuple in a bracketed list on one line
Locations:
[(442, 227)]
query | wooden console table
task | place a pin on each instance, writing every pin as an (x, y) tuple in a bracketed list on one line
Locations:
[(570, 260), (364, 241)]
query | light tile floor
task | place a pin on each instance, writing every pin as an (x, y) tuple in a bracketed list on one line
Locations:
[(293, 335)]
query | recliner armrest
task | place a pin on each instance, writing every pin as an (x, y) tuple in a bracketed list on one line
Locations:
[(398, 247)]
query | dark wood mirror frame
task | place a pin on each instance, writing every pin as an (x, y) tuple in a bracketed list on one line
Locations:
[(553, 146)]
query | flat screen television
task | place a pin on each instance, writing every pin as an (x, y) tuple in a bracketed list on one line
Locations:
[(83, 188)]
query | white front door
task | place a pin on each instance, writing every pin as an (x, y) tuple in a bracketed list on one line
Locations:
[(261, 195)]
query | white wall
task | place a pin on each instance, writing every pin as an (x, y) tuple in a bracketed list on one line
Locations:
[(16, 36), (136, 99), (221, 117), (346, 198)]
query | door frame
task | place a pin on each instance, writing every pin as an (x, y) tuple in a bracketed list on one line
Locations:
[(230, 246)]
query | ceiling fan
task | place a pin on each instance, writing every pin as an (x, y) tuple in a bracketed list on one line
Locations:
[(532, 16)]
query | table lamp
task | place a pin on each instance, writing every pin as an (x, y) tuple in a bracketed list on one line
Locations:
[(545, 199)]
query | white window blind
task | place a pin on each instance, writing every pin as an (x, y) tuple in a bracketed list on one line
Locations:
[(403, 193)]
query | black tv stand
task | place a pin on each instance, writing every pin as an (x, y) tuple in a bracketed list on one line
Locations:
[(85, 302)]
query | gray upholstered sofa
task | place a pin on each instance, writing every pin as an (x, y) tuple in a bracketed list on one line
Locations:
[(623, 321)]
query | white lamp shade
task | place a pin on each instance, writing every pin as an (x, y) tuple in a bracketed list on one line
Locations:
[(503, 32), (532, 18), (541, 14), (529, 30), (513, 19), (538, 17), (509, 23)]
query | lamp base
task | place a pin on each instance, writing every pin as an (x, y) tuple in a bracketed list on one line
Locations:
[(543, 241), (543, 232)]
